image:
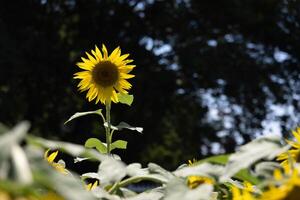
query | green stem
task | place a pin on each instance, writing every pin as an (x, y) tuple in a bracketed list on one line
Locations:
[(108, 134), (134, 180)]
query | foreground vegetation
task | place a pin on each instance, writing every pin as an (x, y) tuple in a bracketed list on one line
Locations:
[(265, 168)]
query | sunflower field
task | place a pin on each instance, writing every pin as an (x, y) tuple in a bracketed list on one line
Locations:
[(33, 168)]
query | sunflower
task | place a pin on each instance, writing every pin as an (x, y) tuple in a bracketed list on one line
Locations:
[(104, 75), (287, 187), (60, 167), (292, 155)]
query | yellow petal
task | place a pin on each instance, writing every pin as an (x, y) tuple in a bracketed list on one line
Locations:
[(98, 53), (124, 84), (126, 68), (82, 75), (126, 76), (87, 61), (52, 156), (104, 50), (115, 54), (85, 66), (96, 57), (114, 97), (91, 58), (127, 61)]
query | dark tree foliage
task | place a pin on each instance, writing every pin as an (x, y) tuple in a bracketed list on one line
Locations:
[(210, 75)]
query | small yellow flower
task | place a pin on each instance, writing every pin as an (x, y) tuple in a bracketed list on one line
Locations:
[(287, 187), (192, 162), (92, 186), (104, 75), (292, 155), (50, 159), (195, 181)]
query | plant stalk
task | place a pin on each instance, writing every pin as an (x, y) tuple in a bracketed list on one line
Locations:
[(108, 134)]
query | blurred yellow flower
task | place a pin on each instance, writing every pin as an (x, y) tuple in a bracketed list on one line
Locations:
[(4, 195), (104, 75), (195, 181), (50, 159), (287, 187), (241, 194), (293, 155), (92, 186)]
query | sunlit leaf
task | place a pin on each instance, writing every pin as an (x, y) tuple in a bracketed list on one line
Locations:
[(125, 98), (96, 143), (119, 144)]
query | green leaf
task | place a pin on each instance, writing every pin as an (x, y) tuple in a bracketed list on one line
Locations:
[(220, 159), (80, 114), (96, 143), (119, 144), (245, 175), (125, 98)]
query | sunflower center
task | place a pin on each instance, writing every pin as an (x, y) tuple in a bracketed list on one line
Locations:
[(105, 74), (294, 194)]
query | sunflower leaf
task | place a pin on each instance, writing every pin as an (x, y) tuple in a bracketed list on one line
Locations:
[(125, 98), (96, 143), (119, 144), (80, 114), (124, 125)]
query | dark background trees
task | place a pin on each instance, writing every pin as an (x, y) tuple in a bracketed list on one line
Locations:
[(210, 75)]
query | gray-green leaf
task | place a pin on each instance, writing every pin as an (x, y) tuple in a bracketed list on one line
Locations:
[(80, 114), (124, 125)]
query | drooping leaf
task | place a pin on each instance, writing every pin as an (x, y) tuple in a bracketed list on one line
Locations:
[(156, 169), (124, 125), (96, 143), (80, 114), (177, 189), (119, 144), (79, 159), (75, 150), (266, 169), (135, 169), (90, 175), (21, 165), (125, 98), (111, 171), (204, 169), (266, 147)]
